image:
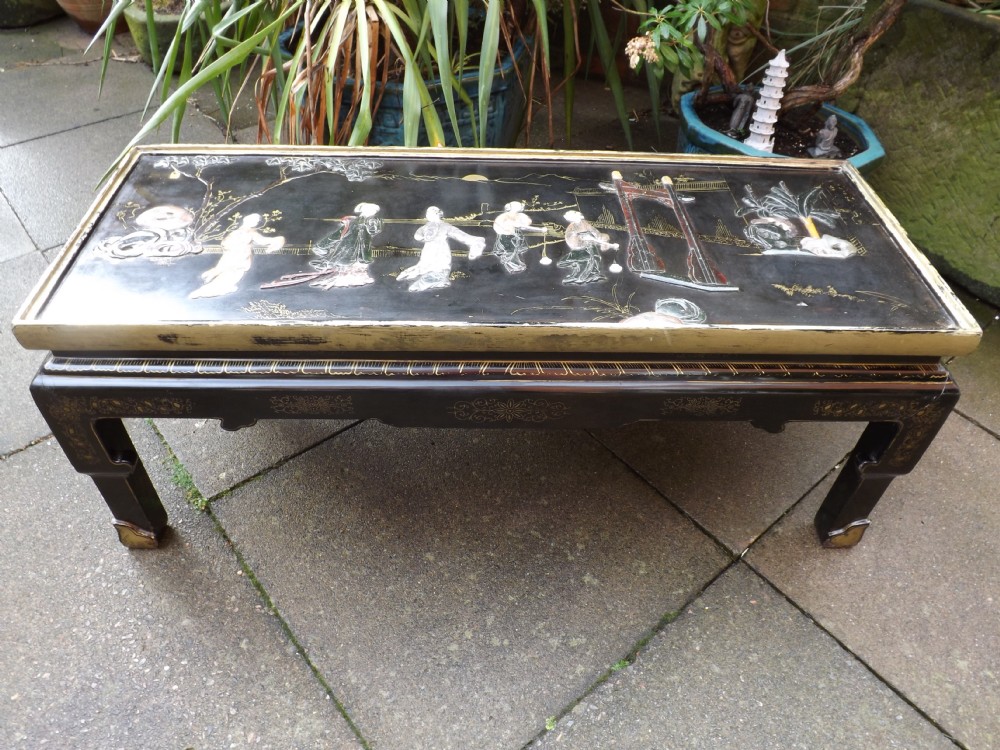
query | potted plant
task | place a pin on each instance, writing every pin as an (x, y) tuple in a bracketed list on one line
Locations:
[(153, 25), (687, 40), (349, 58)]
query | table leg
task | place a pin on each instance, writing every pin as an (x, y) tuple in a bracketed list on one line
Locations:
[(84, 402), (886, 450), (101, 447)]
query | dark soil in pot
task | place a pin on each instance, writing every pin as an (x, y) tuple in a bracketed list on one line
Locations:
[(794, 135)]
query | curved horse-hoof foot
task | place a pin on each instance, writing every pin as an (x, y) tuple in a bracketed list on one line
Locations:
[(135, 538), (847, 536)]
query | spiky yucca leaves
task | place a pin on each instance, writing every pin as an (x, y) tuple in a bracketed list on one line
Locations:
[(327, 86)]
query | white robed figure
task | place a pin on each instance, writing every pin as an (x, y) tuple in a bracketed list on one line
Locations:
[(433, 270), (237, 256), (585, 243), (510, 244)]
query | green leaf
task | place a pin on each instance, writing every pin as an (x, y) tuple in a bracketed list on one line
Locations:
[(225, 62), (609, 63), (487, 64), (438, 11), (363, 123), (154, 43), (110, 22), (362, 126), (569, 65), (184, 75), (542, 29), (654, 81), (416, 99), (193, 12), (107, 29)]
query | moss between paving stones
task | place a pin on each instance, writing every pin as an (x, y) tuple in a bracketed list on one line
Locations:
[(931, 90)]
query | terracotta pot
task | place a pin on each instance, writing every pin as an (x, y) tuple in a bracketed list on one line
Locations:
[(90, 14)]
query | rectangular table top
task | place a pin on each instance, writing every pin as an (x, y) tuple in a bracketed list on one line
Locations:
[(323, 250)]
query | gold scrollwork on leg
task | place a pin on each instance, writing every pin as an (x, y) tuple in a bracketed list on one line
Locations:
[(919, 420), (71, 416)]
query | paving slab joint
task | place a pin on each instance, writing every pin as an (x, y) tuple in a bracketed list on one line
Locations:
[(864, 664), (631, 657), (272, 609)]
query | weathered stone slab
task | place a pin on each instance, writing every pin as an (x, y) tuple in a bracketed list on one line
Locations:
[(917, 601), (741, 668), (102, 647), (457, 587)]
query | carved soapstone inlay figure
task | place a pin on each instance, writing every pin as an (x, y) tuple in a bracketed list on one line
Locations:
[(346, 254), (669, 313), (237, 256), (780, 217), (433, 270), (585, 243), (510, 244), (163, 232), (701, 271)]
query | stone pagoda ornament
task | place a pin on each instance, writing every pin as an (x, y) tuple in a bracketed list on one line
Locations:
[(765, 115)]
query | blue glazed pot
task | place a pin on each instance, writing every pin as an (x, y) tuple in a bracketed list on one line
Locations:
[(695, 137), (503, 117)]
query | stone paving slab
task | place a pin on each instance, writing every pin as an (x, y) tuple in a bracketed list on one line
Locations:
[(52, 203), (20, 421), (217, 459), (105, 648), (73, 96), (59, 40), (732, 478), (15, 240), (918, 600), (464, 585), (743, 668), (20, 47), (978, 378)]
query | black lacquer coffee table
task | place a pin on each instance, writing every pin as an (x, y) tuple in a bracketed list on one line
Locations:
[(490, 289)]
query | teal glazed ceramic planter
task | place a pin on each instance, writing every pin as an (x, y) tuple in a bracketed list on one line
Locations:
[(695, 137)]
